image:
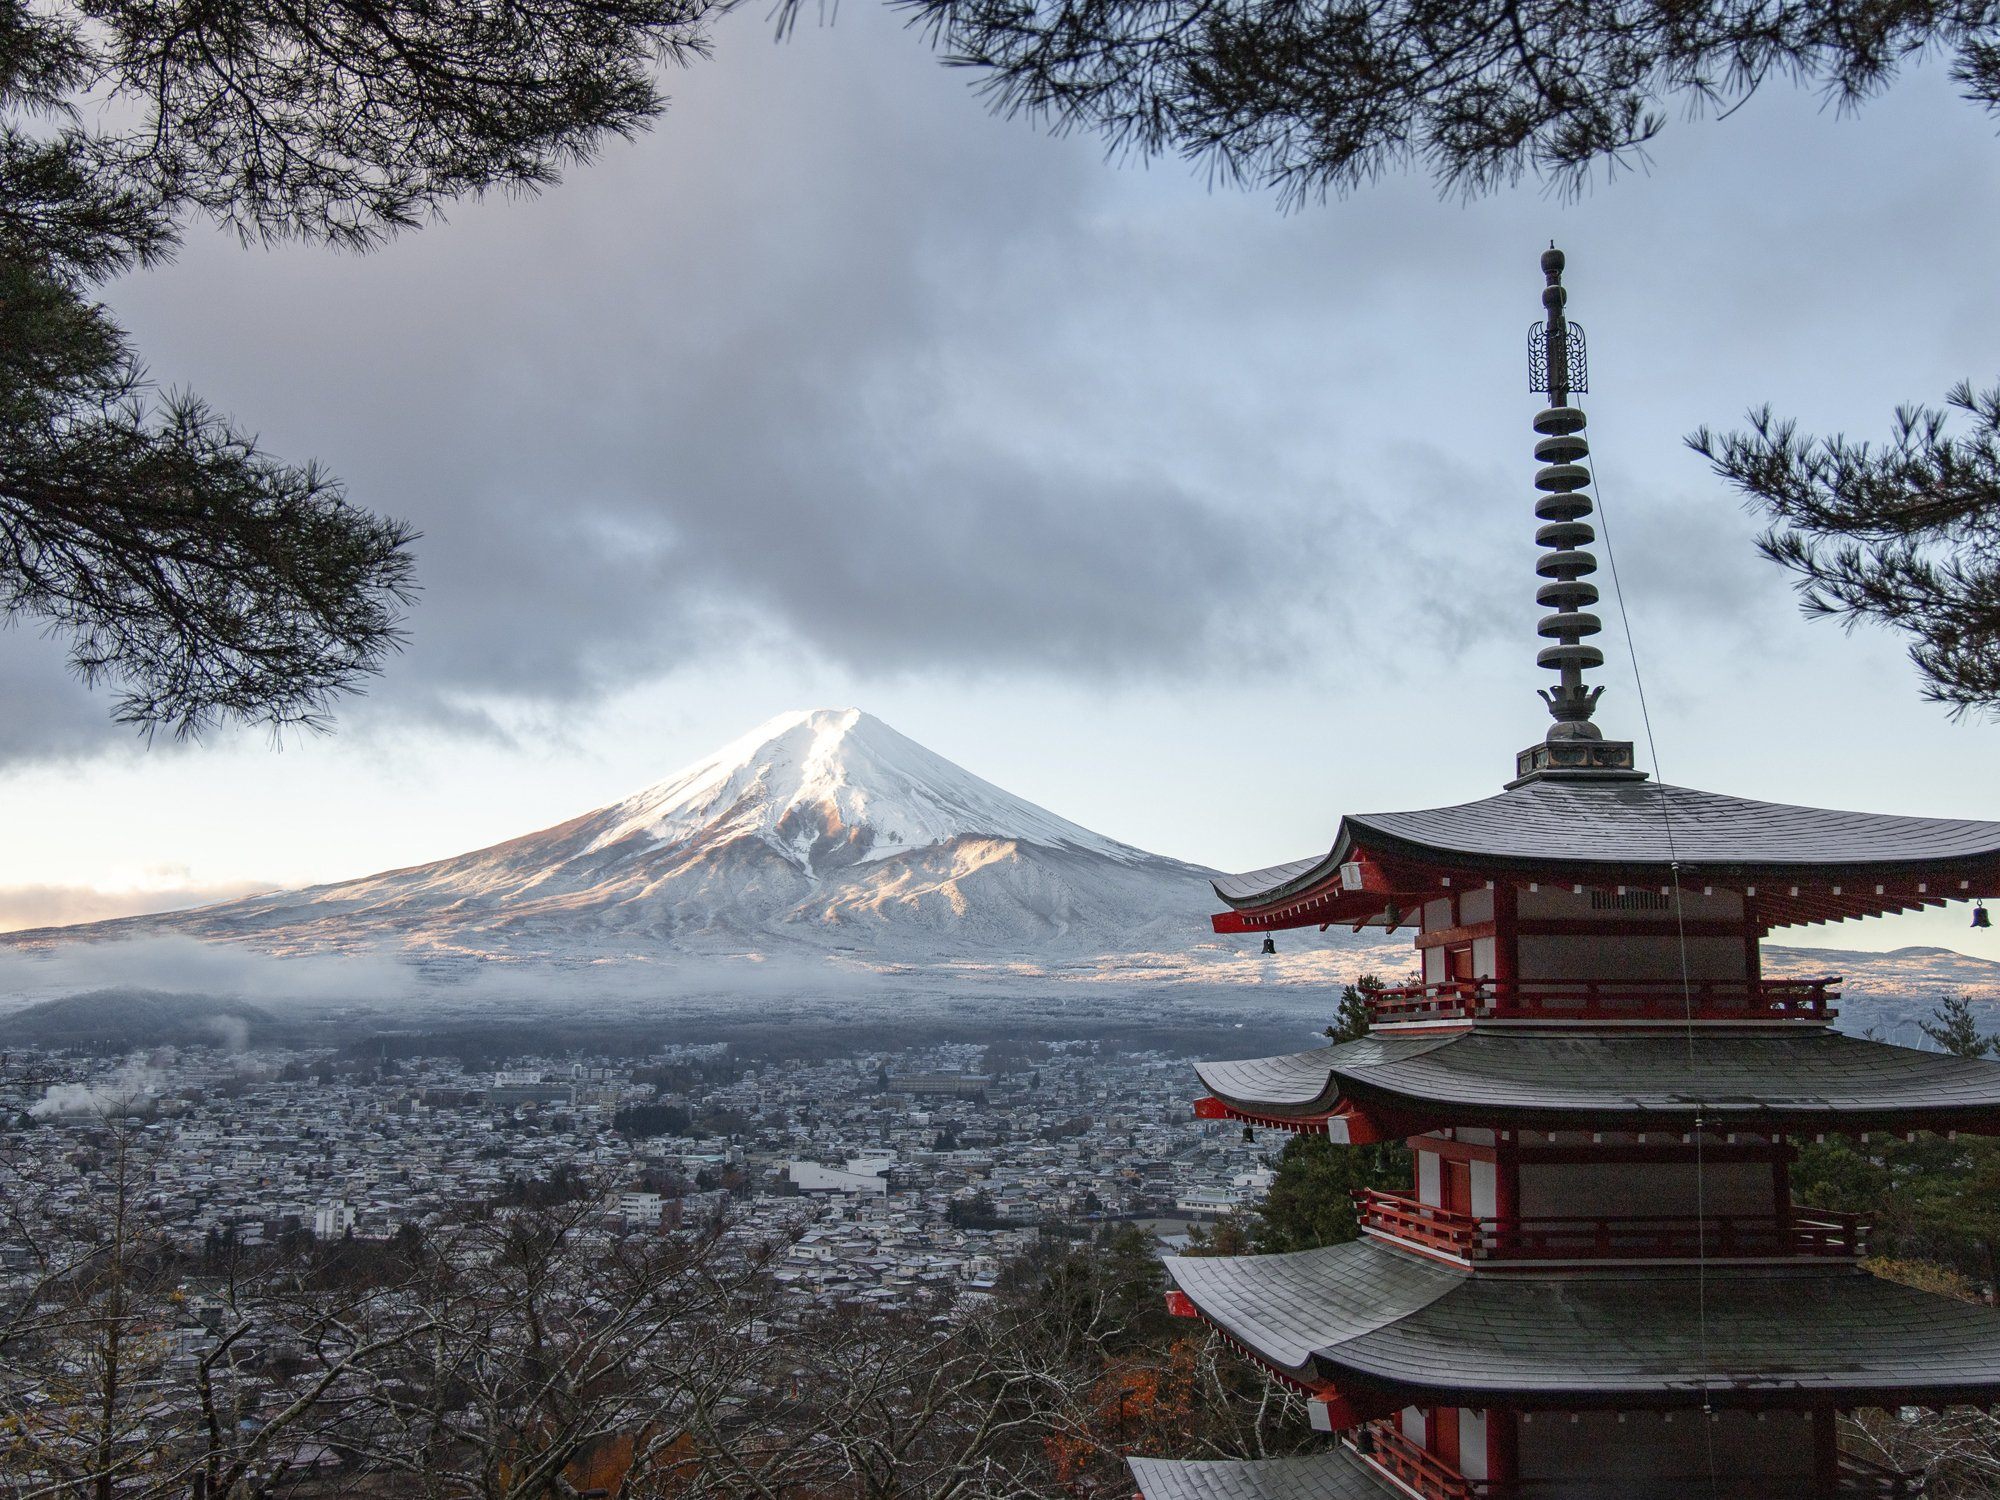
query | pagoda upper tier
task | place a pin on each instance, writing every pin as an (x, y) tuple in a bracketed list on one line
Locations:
[(1790, 865)]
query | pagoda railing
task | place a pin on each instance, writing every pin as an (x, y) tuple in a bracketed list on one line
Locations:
[(1401, 1215), (1861, 1477), (1430, 1476), (1804, 1232), (1560, 1000), (1382, 1442)]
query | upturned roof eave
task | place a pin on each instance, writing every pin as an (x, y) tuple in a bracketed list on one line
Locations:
[(1367, 1320), (1863, 1084), (1372, 834), (1715, 1388), (1982, 871)]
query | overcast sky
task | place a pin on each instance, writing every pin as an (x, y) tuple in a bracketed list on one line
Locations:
[(1196, 522)]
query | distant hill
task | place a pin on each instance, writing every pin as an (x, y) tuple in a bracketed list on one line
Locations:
[(1889, 993), (140, 1018)]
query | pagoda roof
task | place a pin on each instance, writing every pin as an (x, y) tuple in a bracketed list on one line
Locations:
[(1367, 1318), (1517, 1077), (1605, 830), (1334, 1474)]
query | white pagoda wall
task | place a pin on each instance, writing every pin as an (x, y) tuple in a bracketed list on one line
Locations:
[(1472, 1443), (1468, 909), (1485, 1192), (1429, 1190), (1414, 1423), (1484, 1175)]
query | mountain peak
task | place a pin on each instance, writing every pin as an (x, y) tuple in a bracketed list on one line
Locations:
[(819, 830), (832, 787)]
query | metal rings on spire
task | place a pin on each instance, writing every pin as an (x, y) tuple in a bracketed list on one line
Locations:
[(1556, 365)]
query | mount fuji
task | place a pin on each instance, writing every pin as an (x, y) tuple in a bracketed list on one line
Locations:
[(827, 837), (823, 831)]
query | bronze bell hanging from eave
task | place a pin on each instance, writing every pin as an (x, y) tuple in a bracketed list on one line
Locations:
[(1271, 943), (1979, 917)]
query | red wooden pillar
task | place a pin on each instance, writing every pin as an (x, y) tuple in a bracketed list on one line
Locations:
[(1441, 1428), (1781, 1186), (1506, 1177), (1506, 927), (1503, 1448)]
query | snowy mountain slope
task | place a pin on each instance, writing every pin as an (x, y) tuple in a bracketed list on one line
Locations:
[(829, 836), (822, 830), (835, 786)]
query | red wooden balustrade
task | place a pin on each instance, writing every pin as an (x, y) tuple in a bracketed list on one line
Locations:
[(1383, 1443), (1805, 1232), (1860, 1477), (1719, 1000), (1428, 1475), (1401, 1215)]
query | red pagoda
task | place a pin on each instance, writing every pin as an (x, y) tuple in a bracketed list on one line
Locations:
[(1600, 1285)]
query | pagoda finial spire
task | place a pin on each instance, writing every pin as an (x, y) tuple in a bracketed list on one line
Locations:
[(1556, 364)]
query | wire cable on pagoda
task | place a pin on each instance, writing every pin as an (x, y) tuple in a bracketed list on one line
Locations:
[(1687, 980), (1558, 347)]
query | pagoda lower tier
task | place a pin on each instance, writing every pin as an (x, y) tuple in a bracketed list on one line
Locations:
[(1450, 1383), (1370, 1328), (1598, 1282)]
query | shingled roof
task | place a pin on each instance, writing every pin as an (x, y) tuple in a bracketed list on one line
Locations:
[(1335, 1474), (1586, 828), (1364, 1317), (1519, 1078)]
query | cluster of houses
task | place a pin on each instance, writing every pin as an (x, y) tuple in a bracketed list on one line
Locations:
[(889, 1171)]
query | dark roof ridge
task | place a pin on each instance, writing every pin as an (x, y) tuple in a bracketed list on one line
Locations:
[(1621, 1080)]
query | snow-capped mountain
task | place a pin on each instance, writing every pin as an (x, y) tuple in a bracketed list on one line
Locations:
[(819, 830), (833, 787)]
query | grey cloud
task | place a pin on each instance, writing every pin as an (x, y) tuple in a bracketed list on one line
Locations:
[(833, 364), (744, 383), (45, 713)]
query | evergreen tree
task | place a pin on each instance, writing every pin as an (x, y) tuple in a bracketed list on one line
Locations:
[(1356, 1013), (1311, 1202), (1226, 1236), (1905, 535), (202, 578), (1952, 1027), (1325, 96)]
